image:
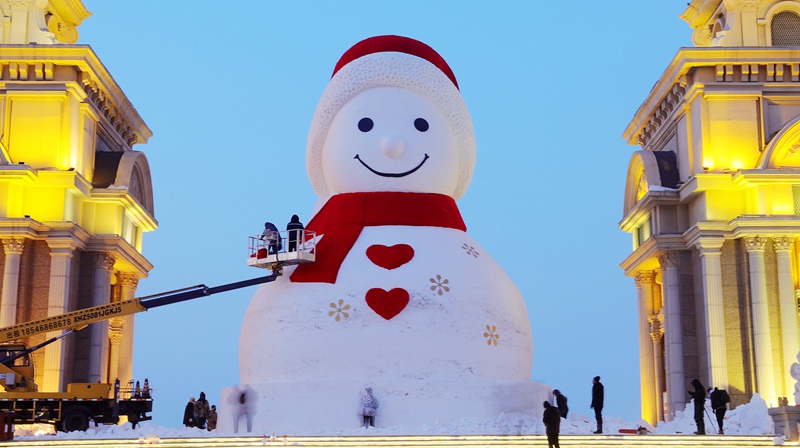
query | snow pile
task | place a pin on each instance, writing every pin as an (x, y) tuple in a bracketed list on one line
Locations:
[(748, 419), (145, 432)]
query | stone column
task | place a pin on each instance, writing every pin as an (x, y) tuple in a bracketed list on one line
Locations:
[(128, 283), (8, 301), (101, 293), (710, 254), (20, 10), (114, 337), (657, 334), (789, 335), (748, 20), (765, 379), (673, 335), (644, 284), (57, 303)]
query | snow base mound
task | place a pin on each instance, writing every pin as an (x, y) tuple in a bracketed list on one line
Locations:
[(749, 419), (329, 407)]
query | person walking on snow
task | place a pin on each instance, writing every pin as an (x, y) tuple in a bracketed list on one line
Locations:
[(552, 424), (597, 403), (699, 396), (294, 232), (561, 403), (369, 404), (719, 402)]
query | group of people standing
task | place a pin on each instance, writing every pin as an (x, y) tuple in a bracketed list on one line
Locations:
[(719, 405), (553, 414), (198, 414)]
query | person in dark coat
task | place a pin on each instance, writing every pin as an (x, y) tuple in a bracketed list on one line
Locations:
[(188, 414), (272, 237), (294, 232), (699, 396), (552, 424), (201, 411), (719, 401), (597, 403), (561, 403)]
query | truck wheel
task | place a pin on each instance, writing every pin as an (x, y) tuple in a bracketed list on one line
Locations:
[(76, 419)]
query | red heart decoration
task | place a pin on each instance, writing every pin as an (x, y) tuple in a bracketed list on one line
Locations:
[(387, 303), (390, 257)]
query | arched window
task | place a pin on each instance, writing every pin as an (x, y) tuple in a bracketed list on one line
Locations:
[(716, 28), (785, 28), (135, 186)]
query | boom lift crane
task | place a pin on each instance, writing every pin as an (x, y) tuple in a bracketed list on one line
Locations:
[(102, 403)]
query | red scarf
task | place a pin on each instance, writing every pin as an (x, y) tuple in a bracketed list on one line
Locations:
[(343, 217)]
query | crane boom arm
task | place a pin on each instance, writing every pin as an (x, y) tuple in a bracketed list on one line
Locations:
[(81, 318)]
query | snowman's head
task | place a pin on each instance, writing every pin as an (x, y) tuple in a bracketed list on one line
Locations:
[(391, 119)]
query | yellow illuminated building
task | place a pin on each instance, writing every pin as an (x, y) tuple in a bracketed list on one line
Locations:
[(75, 197), (712, 201)]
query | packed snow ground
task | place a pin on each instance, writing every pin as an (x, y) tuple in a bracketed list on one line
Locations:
[(749, 419)]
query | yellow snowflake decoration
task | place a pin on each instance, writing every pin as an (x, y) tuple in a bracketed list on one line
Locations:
[(490, 333), (339, 310), (439, 284), (470, 250)]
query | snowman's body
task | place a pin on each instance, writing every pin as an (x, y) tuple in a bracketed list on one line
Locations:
[(417, 311), (461, 347)]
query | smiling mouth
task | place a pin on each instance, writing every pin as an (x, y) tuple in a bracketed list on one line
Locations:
[(403, 174)]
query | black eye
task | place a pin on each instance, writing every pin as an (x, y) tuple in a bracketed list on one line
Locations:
[(365, 124), (421, 124)]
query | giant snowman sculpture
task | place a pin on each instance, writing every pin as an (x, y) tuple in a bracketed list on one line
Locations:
[(400, 298)]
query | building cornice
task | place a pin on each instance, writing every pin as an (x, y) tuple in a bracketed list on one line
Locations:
[(643, 258), (759, 225), (21, 228), (710, 236), (745, 178), (741, 64), (645, 205), (132, 206), (61, 237), (127, 258), (72, 11), (70, 237), (707, 235), (735, 180), (26, 63), (646, 256), (698, 12)]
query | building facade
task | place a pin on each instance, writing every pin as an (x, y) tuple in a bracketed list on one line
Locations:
[(712, 201), (75, 198)]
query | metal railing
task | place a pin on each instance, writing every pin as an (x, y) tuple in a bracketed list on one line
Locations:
[(286, 247)]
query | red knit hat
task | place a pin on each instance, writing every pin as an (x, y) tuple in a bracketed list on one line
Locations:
[(392, 61), (397, 44)]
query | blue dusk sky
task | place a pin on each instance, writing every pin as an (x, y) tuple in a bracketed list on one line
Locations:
[(229, 90)]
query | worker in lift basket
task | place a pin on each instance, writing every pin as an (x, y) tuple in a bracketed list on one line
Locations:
[(272, 237)]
